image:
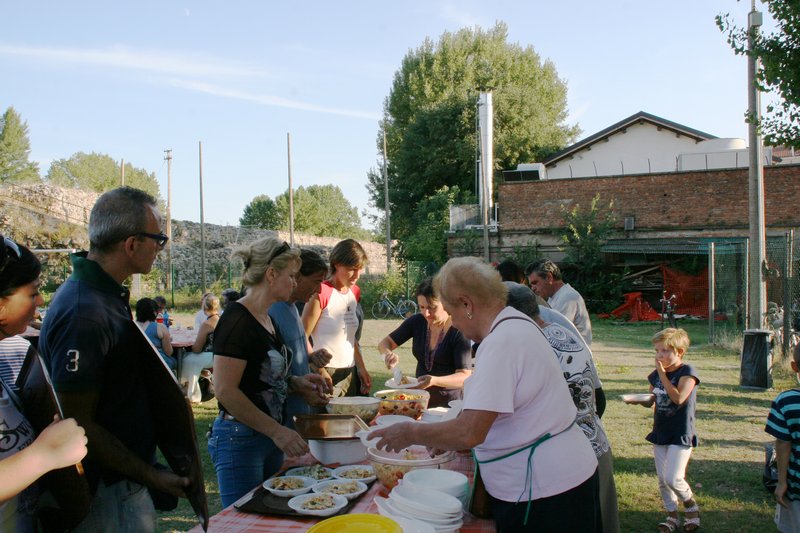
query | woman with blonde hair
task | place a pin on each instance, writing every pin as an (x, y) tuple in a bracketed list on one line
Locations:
[(248, 442), (201, 355), (330, 318), (536, 464)]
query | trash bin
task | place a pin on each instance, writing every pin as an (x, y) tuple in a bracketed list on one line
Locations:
[(756, 370)]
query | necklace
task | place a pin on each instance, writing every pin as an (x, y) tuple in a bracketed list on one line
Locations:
[(431, 352)]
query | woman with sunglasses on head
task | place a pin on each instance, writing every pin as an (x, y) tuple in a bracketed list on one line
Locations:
[(331, 320), (252, 375), (22, 459)]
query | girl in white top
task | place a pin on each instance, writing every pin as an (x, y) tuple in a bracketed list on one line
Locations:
[(537, 465), (330, 321)]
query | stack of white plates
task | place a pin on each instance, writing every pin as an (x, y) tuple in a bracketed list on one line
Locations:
[(441, 511), (450, 482)]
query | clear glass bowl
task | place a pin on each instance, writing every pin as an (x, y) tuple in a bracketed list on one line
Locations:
[(390, 467)]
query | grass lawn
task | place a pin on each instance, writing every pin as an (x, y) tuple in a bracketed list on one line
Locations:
[(725, 470)]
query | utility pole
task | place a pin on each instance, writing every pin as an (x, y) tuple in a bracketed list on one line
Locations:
[(757, 268), (122, 176), (202, 226), (291, 189), (387, 208), (168, 158)]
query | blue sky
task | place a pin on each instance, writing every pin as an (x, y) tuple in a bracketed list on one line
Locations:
[(131, 79)]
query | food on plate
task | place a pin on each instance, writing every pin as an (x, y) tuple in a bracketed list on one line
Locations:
[(320, 502), (407, 402), (400, 396), (343, 487), (356, 473), (405, 380), (288, 483), (315, 472)]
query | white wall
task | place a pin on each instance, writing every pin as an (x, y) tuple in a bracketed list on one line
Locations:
[(641, 149)]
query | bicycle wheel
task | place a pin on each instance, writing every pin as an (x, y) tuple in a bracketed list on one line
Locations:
[(380, 310), (406, 308)]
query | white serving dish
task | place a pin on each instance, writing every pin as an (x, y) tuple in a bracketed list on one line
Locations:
[(287, 493), (297, 502), (303, 471), (450, 482), (321, 487), (340, 473), (345, 451)]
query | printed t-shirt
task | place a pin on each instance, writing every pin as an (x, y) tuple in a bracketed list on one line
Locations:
[(672, 423), (241, 336), (12, 354), (517, 377)]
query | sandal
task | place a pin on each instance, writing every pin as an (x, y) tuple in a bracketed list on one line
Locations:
[(669, 525), (691, 524)]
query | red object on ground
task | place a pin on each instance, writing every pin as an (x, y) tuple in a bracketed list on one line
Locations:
[(691, 291), (637, 308)]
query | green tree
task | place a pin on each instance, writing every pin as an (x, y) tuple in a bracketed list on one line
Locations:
[(430, 116), (321, 210), (779, 53), (99, 173), (15, 150), (428, 241), (582, 237), (262, 213)]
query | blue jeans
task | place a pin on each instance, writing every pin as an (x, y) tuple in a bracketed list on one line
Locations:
[(243, 458), (122, 507)]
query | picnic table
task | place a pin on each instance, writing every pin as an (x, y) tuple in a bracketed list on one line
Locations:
[(231, 519)]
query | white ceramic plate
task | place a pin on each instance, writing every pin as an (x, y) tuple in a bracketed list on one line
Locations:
[(638, 398), (323, 486), (297, 503), (307, 484), (412, 383), (305, 472), (339, 473), (388, 507), (410, 508), (448, 481), (388, 420)]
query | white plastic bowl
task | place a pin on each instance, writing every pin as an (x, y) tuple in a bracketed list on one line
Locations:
[(428, 500), (321, 487), (307, 484), (450, 482), (388, 420), (297, 502), (346, 451), (304, 471), (341, 473)]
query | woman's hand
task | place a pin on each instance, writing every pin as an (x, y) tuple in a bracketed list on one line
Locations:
[(366, 380), (290, 442), (320, 358), (391, 359), (63, 443), (312, 387), (393, 438), (425, 381)]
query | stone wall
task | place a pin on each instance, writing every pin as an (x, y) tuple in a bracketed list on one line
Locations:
[(44, 216)]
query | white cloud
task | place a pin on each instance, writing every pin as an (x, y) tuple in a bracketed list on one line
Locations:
[(124, 58), (267, 99)]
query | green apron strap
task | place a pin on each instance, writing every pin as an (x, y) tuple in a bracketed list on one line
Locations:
[(529, 472)]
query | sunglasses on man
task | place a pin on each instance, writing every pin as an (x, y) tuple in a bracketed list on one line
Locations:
[(160, 238)]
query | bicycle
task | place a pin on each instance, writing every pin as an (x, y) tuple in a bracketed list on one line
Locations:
[(668, 306), (383, 307)]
